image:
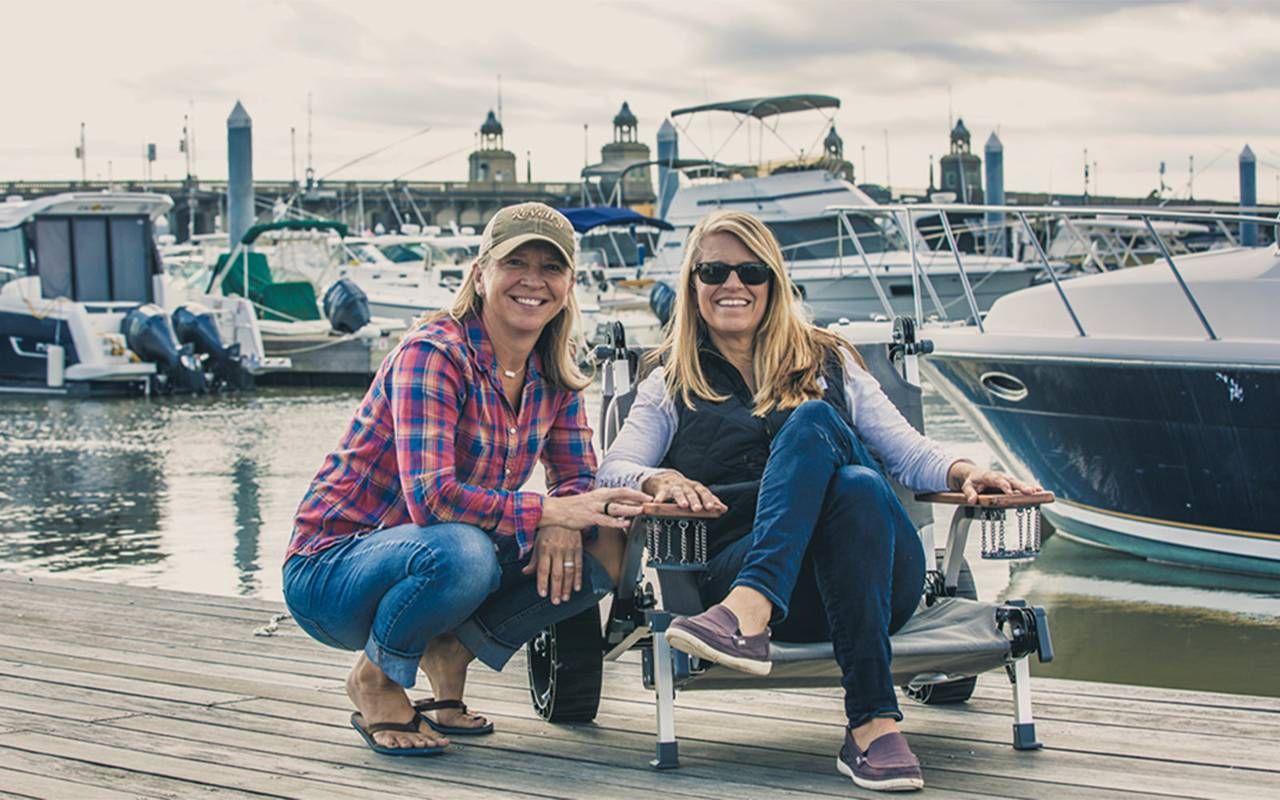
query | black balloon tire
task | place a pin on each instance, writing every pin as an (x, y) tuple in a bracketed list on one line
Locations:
[(566, 668), (960, 689)]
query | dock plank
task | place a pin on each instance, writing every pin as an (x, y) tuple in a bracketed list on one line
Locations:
[(147, 692)]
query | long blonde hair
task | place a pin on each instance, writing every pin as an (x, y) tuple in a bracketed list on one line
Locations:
[(557, 345), (788, 352)]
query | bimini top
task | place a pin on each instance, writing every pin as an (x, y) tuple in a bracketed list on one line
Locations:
[(15, 213), (293, 225), (584, 219), (761, 107)]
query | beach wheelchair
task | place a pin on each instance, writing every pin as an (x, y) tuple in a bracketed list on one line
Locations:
[(937, 655)]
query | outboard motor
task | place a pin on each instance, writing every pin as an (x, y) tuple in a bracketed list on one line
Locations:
[(196, 326), (662, 300), (147, 333), (346, 306)]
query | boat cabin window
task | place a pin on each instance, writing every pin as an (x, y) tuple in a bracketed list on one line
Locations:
[(94, 258), (13, 254), (825, 238)]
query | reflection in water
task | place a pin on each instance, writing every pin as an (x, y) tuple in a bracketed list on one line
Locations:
[(198, 494), (248, 523), (1127, 620), (82, 486)]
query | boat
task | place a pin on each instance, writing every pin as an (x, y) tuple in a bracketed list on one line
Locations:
[(403, 275), (613, 246), (87, 308), (1145, 398), (831, 232)]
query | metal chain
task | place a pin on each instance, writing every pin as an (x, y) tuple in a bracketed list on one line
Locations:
[(684, 541), (1036, 524), (651, 531), (1002, 547), (670, 531), (986, 537), (700, 548)]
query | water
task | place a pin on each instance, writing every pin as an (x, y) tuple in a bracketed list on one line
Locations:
[(197, 494)]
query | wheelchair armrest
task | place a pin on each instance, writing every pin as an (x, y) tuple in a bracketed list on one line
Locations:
[(989, 500), (673, 511)]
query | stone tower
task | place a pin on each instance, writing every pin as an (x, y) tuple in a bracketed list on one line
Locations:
[(492, 162), (961, 170), (625, 150)]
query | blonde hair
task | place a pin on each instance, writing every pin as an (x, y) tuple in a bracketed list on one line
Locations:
[(557, 344), (788, 352)]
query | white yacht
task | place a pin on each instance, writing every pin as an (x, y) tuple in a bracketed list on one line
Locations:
[(832, 235), (1145, 398), (86, 306)]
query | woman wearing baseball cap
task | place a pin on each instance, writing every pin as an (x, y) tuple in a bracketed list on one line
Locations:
[(415, 544)]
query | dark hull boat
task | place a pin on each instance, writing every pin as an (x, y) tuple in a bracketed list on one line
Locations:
[(1159, 428)]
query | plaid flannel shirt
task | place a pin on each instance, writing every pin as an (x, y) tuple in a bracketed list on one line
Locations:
[(435, 440)]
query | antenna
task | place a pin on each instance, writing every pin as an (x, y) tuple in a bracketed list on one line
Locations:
[(191, 141), (80, 154), (865, 176), (293, 153), (585, 149), (311, 172), (888, 182), (1086, 172), (951, 123), (1191, 177), (499, 97)]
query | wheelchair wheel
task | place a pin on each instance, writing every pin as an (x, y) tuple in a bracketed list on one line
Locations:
[(566, 664), (960, 689)]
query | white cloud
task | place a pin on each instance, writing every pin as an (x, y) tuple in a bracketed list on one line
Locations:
[(1134, 82)]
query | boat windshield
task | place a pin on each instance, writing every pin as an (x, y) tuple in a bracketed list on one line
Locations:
[(825, 237), (13, 254), (620, 248)]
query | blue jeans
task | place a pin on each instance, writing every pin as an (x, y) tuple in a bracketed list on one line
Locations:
[(391, 591), (834, 551)]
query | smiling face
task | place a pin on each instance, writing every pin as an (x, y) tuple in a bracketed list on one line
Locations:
[(730, 309), (525, 289)]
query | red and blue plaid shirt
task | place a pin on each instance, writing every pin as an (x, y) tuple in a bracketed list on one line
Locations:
[(435, 440)]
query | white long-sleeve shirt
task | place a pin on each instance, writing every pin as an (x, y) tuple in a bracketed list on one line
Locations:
[(915, 461)]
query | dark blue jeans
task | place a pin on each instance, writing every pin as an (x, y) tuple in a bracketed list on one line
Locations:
[(834, 550), (389, 592)]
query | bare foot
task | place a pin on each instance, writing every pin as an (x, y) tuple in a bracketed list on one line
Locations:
[(868, 732), (752, 609), (380, 699), (445, 663)]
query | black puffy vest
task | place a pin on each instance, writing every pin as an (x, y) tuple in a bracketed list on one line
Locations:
[(723, 446)]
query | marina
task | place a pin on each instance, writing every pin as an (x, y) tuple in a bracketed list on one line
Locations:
[(172, 694), (1040, 288)]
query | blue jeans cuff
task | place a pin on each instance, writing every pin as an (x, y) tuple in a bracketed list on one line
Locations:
[(400, 668), (491, 652), (882, 713)]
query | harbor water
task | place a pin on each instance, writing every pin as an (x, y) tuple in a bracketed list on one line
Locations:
[(197, 494)]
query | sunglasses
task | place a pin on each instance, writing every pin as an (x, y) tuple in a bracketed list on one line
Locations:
[(714, 273)]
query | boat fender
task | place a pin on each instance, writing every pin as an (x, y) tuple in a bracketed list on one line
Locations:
[(346, 306), (149, 334)]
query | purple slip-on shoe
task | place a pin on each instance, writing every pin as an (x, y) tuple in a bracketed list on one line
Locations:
[(714, 636), (888, 765)]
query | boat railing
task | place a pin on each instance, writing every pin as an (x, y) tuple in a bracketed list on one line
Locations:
[(1004, 217)]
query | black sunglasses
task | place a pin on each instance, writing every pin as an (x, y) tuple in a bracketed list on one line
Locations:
[(714, 273)]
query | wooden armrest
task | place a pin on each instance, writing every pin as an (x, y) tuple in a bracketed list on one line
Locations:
[(993, 500), (671, 510)]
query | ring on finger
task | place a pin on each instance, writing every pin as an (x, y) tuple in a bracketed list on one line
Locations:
[(606, 508), (570, 564)]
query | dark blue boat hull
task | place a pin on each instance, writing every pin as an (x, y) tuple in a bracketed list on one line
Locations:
[(1193, 449)]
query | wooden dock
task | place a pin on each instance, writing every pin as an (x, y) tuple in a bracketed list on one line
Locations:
[(110, 691)]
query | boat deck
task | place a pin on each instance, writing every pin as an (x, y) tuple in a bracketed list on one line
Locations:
[(111, 691)]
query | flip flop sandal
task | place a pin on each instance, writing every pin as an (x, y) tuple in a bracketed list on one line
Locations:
[(366, 732), (432, 704)]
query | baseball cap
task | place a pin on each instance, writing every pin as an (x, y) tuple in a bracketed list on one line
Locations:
[(526, 222)]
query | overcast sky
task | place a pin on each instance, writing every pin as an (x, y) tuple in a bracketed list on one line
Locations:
[(1136, 83)]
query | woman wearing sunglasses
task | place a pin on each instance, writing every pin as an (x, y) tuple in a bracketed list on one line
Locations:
[(759, 414)]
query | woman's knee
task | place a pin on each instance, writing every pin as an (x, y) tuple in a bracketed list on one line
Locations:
[(859, 485), (461, 556)]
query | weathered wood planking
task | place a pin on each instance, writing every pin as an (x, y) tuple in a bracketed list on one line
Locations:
[(116, 691)]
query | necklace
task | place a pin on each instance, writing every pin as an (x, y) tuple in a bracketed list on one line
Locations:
[(508, 373)]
